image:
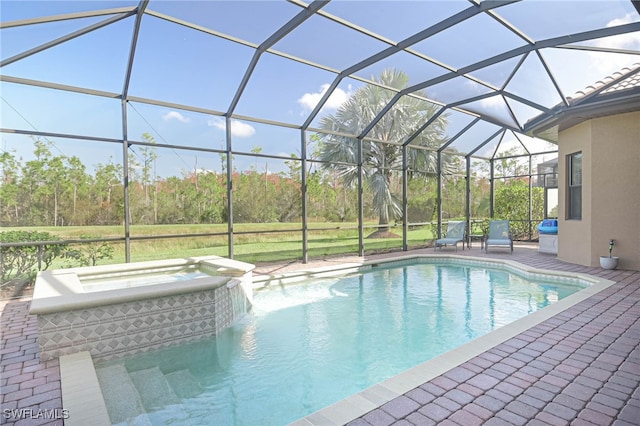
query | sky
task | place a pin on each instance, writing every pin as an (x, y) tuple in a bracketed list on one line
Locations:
[(179, 65)]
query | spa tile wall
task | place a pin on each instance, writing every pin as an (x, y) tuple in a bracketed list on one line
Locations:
[(120, 329)]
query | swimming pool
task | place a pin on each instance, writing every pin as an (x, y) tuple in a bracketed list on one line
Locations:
[(307, 345)]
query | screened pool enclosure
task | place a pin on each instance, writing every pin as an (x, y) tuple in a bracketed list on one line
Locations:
[(272, 130)]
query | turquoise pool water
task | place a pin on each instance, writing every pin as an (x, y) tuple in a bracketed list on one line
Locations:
[(140, 279), (307, 345)]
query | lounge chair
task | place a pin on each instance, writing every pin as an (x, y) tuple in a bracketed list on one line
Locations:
[(499, 235), (455, 234)]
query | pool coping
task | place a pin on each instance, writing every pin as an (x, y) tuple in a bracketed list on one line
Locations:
[(81, 393), (88, 401), (352, 267)]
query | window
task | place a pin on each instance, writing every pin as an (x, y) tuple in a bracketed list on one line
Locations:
[(574, 192)]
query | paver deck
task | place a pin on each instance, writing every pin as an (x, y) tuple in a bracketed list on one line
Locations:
[(580, 367), (30, 389)]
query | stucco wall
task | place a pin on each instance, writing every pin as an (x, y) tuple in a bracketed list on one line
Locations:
[(574, 236), (610, 191)]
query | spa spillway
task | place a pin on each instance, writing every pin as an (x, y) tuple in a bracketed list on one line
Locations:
[(122, 309)]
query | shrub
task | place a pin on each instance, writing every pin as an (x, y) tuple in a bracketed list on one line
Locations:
[(88, 254), (18, 262)]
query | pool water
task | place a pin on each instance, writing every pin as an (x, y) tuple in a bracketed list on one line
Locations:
[(111, 282), (305, 346)]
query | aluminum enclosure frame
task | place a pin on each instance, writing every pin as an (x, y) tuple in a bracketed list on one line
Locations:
[(475, 8)]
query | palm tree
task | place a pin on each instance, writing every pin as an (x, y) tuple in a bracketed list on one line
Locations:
[(380, 159)]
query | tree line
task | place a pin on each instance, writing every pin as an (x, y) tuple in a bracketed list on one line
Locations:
[(58, 190)]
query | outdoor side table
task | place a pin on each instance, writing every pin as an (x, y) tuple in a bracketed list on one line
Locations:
[(475, 237)]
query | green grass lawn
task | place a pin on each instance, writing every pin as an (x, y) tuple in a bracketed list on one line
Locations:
[(252, 243), (258, 246)]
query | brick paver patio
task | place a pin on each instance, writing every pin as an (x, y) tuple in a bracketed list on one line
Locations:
[(30, 389), (580, 367)]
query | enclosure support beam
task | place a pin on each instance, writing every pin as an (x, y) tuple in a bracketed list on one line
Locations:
[(125, 134), (303, 181), (468, 195), (360, 196), (530, 200), (439, 200), (405, 214), (229, 189), (491, 188), (125, 178), (66, 38), (293, 23)]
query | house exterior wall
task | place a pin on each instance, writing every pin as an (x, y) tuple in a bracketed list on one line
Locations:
[(574, 236), (610, 191)]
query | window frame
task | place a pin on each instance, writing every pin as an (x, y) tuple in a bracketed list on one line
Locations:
[(574, 186)]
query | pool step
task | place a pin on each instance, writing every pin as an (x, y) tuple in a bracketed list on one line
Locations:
[(183, 384), (154, 389), (146, 397), (158, 397), (121, 396)]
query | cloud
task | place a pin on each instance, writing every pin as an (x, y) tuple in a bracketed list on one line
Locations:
[(630, 41), (238, 128), (171, 115), (242, 130), (493, 102), (308, 101), (217, 122), (627, 19)]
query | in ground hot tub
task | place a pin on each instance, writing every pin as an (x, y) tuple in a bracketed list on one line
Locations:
[(122, 309)]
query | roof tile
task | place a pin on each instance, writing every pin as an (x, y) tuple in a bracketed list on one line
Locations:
[(633, 80)]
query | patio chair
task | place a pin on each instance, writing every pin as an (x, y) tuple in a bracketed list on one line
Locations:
[(455, 235), (499, 235)]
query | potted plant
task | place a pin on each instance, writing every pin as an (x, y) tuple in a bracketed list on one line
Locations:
[(609, 262)]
